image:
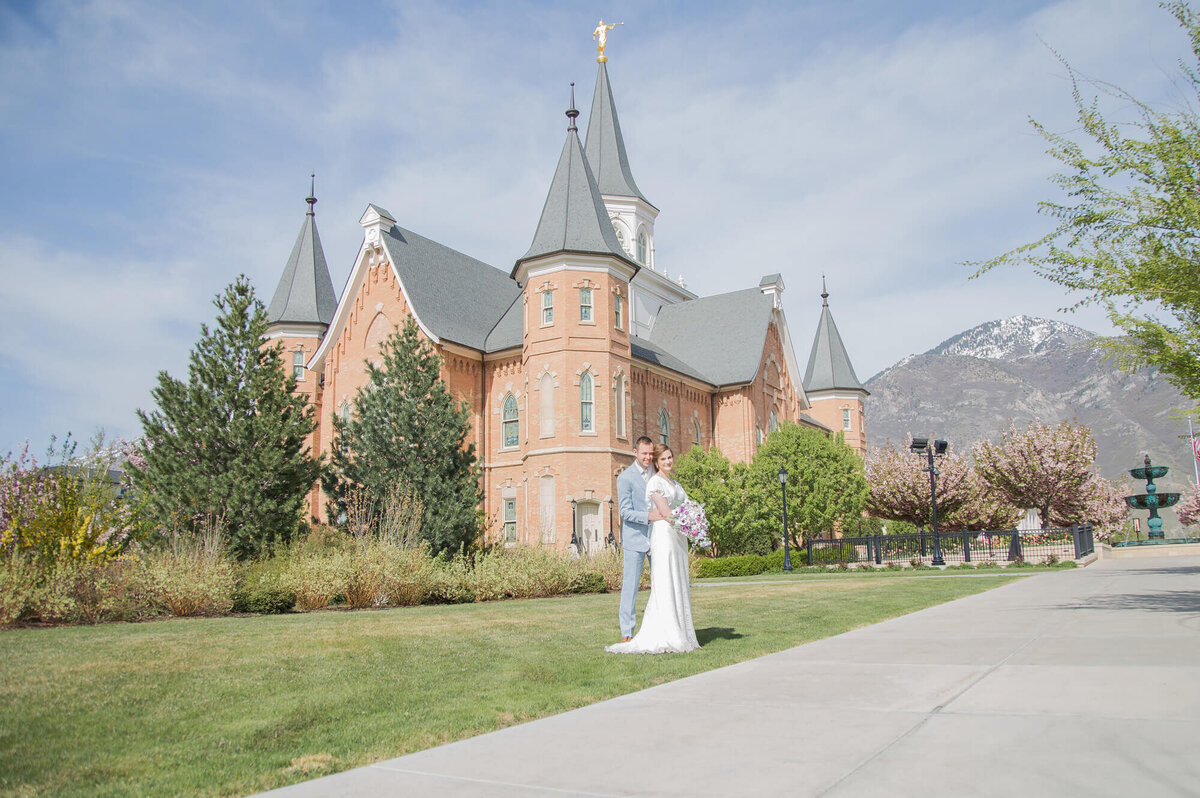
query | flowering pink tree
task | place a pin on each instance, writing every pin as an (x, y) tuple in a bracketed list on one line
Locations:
[(1049, 468), (1106, 508), (985, 508), (900, 486), (1188, 509)]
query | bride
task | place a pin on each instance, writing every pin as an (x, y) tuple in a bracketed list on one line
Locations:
[(667, 621)]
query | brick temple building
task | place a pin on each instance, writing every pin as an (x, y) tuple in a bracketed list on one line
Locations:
[(568, 356)]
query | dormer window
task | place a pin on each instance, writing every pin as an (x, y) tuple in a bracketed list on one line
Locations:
[(585, 305), (642, 248)]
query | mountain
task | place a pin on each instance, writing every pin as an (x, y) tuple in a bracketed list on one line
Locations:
[(968, 387)]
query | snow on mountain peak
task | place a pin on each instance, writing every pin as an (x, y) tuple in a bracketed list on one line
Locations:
[(1018, 336)]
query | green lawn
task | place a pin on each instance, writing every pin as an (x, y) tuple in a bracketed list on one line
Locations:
[(229, 706)]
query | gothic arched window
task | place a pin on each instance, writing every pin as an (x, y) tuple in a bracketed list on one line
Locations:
[(511, 420), (641, 247), (695, 432), (620, 406), (664, 428), (587, 421)]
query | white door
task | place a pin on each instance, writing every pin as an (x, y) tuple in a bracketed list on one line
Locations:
[(589, 527)]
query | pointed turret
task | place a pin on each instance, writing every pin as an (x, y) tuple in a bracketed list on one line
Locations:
[(605, 147), (574, 218), (305, 292), (833, 389), (829, 366)]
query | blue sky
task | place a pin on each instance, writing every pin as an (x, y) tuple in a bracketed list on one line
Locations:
[(150, 152)]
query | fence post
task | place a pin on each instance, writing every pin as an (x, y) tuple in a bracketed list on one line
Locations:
[(1077, 540), (870, 556), (878, 549), (922, 530), (1089, 539), (809, 544), (1014, 545), (966, 537)]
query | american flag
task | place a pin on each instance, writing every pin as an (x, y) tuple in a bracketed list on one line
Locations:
[(1196, 447)]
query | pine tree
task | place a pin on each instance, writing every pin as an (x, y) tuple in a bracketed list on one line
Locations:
[(406, 430), (228, 447)]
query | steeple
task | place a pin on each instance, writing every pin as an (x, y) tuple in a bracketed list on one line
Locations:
[(574, 218), (605, 145), (305, 292), (829, 367)]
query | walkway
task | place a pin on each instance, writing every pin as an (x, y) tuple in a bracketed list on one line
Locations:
[(1082, 682)]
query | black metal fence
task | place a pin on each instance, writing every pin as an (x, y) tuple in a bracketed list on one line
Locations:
[(993, 546)]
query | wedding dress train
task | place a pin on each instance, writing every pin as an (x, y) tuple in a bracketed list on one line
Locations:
[(667, 621)]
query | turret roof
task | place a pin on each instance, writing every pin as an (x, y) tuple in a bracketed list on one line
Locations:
[(829, 366), (305, 291), (605, 145), (574, 218)]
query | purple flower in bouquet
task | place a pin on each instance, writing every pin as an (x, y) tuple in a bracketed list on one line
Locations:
[(692, 523)]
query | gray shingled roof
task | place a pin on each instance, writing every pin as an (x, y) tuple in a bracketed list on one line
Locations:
[(647, 351), (574, 218), (457, 297), (305, 291), (605, 145), (720, 337), (510, 330), (829, 366)]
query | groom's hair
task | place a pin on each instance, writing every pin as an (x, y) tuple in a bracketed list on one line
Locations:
[(642, 440)]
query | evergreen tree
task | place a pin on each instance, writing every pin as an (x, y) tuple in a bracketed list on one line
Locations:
[(227, 448), (406, 430)]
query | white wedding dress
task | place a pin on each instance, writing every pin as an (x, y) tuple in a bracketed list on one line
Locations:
[(667, 622)]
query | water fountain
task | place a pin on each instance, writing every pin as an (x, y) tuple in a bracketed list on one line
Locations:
[(1151, 500)]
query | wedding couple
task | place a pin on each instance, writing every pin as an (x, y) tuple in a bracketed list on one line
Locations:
[(647, 497)]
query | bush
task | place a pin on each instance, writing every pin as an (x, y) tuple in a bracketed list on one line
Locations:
[(450, 580), (739, 565), (188, 578), (316, 576), (589, 582), (264, 599), (21, 586), (519, 572)]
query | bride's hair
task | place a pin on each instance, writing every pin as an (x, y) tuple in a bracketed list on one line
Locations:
[(660, 450)]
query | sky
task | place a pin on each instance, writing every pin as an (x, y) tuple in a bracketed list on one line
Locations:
[(151, 152)]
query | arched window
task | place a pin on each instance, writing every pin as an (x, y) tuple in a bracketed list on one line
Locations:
[(664, 428), (546, 406), (587, 421), (695, 432), (585, 305), (621, 237), (641, 247), (511, 422), (620, 406), (772, 421)]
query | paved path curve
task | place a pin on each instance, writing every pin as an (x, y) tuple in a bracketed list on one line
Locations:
[(1082, 682)]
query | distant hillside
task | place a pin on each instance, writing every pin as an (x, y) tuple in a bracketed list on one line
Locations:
[(968, 387)]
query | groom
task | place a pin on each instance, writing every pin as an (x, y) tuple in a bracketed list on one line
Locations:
[(636, 517)]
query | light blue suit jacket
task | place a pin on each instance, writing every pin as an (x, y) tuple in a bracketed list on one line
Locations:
[(631, 499)]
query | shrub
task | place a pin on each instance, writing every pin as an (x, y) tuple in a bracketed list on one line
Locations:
[(264, 599), (588, 582), (20, 588), (739, 565), (450, 580), (101, 592), (186, 579), (316, 576), (519, 572)]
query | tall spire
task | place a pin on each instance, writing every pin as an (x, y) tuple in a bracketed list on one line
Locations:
[(574, 218), (305, 292), (829, 366), (606, 146)]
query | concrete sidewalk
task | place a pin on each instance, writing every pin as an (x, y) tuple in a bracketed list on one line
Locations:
[(1082, 682)]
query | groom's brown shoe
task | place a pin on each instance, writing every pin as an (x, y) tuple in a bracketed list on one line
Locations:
[(626, 639)]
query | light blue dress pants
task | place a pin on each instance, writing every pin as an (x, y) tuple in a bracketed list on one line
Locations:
[(635, 561)]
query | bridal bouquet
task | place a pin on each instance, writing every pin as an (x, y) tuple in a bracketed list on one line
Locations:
[(692, 523)]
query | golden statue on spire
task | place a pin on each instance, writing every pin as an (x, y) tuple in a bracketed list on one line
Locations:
[(600, 34)]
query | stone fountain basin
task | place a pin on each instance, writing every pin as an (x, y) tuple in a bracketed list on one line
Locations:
[(1153, 472), (1141, 501)]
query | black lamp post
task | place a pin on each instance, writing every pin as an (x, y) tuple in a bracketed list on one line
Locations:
[(922, 446), (787, 552)]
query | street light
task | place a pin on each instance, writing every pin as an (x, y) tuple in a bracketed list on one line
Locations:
[(787, 553), (919, 446)]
